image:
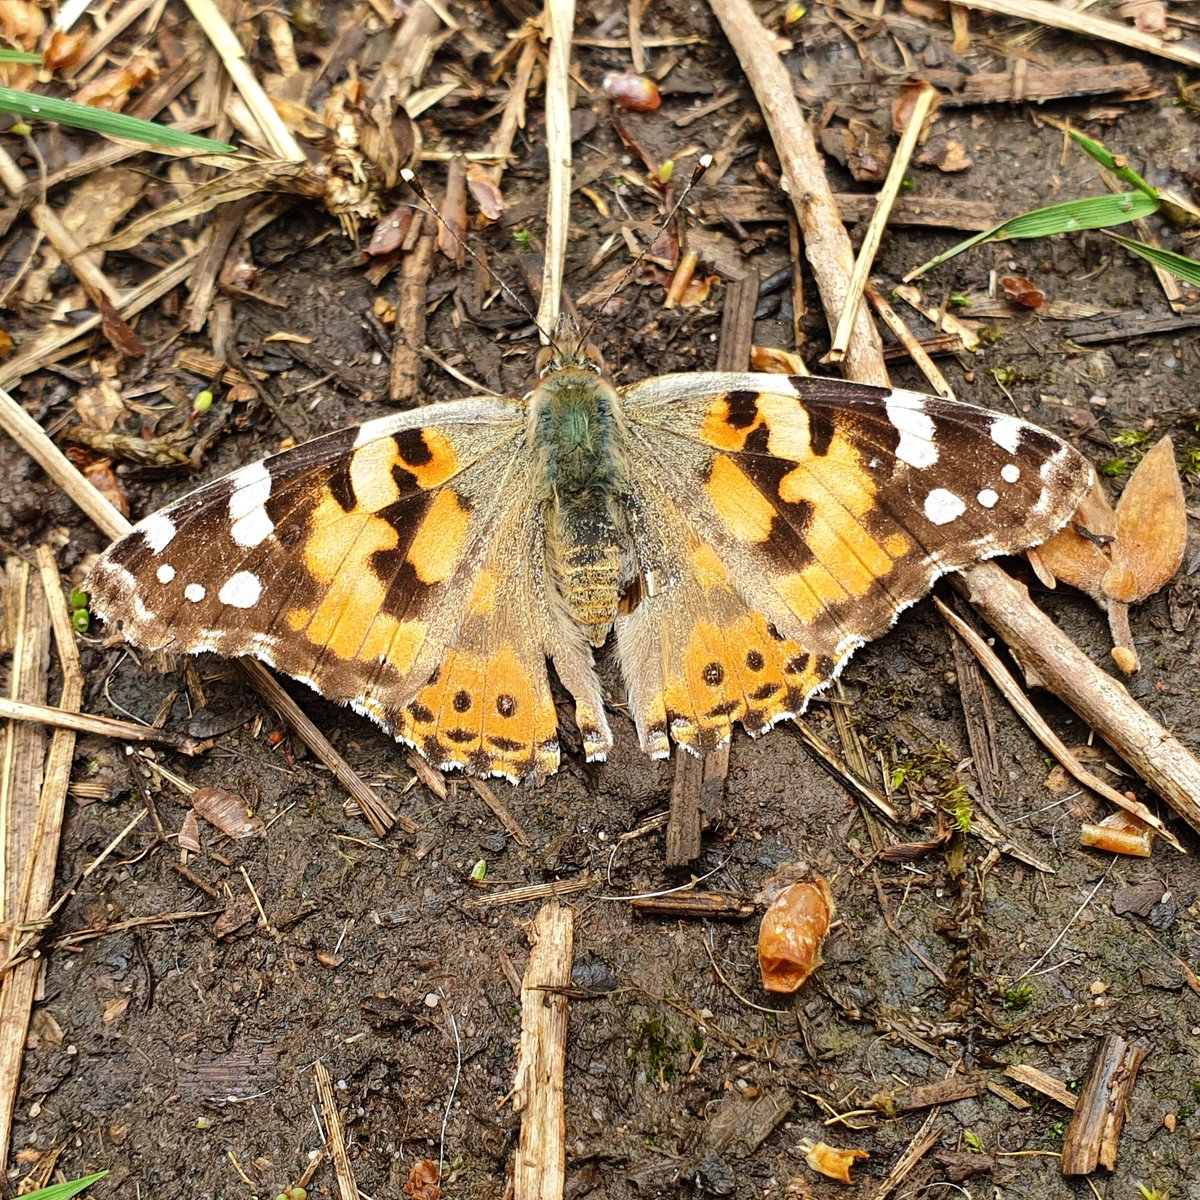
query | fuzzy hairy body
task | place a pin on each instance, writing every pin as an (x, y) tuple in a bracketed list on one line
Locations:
[(579, 453)]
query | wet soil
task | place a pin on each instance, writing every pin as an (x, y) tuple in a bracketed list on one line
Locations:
[(174, 1039)]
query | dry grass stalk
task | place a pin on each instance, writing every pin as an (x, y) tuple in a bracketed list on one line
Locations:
[(276, 134), (34, 886), (77, 722), (1037, 725), (923, 1141), (335, 1138), (500, 811), (1041, 1082), (1062, 668), (540, 1169), (1061, 16), (22, 747), (892, 319), (559, 18), (923, 102), (826, 243), (535, 891)]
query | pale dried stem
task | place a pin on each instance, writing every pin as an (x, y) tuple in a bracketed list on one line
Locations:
[(335, 1138), (35, 886), (1060, 16), (926, 95), (559, 21), (77, 722)]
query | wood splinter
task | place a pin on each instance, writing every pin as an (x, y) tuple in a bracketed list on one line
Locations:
[(1092, 1136)]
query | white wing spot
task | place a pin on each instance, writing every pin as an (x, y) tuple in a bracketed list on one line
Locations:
[(241, 590), (987, 498), (942, 507), (165, 573), (1010, 472), (251, 490), (1006, 433), (906, 411), (157, 531), (194, 592)]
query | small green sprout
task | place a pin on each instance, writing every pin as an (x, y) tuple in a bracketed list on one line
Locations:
[(479, 871), (1018, 996)]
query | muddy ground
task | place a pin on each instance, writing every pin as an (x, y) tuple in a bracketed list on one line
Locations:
[(178, 1054)]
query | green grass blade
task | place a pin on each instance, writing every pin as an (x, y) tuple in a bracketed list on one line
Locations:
[(1187, 269), (64, 1191), (19, 56), (98, 120), (1114, 163), (1093, 212)]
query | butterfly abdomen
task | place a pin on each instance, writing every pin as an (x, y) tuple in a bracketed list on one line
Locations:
[(579, 452)]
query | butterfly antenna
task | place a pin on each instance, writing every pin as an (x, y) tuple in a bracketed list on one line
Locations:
[(413, 182), (702, 165)]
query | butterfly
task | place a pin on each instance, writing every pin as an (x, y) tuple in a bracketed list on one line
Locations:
[(739, 535)]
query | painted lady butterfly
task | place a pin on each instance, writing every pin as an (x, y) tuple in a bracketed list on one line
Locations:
[(742, 533)]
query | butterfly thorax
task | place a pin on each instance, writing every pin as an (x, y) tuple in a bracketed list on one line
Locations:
[(578, 442)]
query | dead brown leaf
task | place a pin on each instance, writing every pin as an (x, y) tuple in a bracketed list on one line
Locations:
[(1022, 292), (1122, 558), (226, 812), (1151, 533), (112, 90)]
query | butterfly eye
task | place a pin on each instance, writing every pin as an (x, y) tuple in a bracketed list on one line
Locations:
[(591, 356), (544, 360)]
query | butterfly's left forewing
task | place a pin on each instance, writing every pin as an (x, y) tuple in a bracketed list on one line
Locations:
[(789, 520), (386, 566)]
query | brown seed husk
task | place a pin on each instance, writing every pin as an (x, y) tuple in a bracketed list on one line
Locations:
[(791, 933)]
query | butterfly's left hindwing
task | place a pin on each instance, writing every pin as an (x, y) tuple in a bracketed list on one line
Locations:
[(790, 520)]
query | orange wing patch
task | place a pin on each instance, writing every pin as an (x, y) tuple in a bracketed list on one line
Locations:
[(487, 712)]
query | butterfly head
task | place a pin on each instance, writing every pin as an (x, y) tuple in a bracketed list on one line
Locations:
[(568, 348)]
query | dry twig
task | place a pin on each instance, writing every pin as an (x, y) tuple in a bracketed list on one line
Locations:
[(1059, 16), (540, 1170)]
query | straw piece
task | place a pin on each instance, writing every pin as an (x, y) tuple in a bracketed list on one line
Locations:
[(224, 40), (925, 96), (1059, 16), (336, 1139), (560, 26)]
